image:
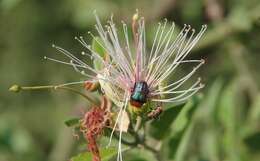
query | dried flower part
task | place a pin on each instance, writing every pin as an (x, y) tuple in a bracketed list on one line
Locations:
[(93, 124), (155, 113), (123, 124), (93, 147), (111, 91), (91, 86)]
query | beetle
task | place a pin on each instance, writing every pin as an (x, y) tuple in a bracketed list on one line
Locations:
[(139, 94)]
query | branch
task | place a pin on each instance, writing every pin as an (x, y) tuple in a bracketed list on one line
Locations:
[(17, 88)]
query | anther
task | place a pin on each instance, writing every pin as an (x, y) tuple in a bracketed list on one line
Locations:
[(135, 16)]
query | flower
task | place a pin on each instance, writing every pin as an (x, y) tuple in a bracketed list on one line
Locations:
[(132, 74)]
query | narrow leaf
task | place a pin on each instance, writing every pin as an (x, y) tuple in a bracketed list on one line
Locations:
[(72, 122), (159, 128)]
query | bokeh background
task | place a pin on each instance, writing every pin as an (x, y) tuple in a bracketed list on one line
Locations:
[(225, 125)]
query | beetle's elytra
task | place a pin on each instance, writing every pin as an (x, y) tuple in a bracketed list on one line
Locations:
[(139, 94)]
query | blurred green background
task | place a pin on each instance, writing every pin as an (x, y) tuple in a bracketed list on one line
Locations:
[(225, 123)]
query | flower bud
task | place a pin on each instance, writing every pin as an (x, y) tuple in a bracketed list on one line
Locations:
[(15, 88)]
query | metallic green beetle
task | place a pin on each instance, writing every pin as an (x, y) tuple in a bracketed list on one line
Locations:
[(139, 94)]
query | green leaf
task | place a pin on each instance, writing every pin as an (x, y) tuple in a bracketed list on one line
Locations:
[(72, 122), (159, 128), (8, 4), (254, 113), (105, 154), (240, 19), (178, 115), (185, 115), (195, 11), (184, 139), (180, 125), (228, 113), (138, 154), (99, 50), (183, 143), (252, 142)]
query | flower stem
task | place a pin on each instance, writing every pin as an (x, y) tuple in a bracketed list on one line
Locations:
[(55, 87), (138, 123)]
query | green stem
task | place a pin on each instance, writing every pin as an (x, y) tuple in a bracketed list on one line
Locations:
[(138, 123), (92, 101)]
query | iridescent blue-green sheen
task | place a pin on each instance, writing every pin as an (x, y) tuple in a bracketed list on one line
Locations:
[(139, 93)]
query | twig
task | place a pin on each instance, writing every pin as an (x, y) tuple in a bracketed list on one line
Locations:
[(54, 87)]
